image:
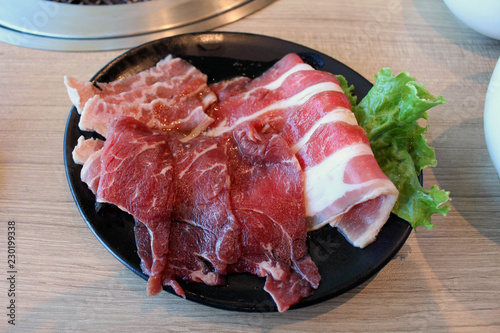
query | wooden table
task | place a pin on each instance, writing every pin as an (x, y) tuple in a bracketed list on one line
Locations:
[(445, 280)]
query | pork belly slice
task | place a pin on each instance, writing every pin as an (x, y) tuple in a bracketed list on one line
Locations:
[(181, 114), (165, 70), (344, 186), (271, 98), (173, 95), (267, 198)]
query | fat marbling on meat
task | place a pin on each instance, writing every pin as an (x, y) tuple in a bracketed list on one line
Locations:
[(133, 170), (173, 95), (344, 186)]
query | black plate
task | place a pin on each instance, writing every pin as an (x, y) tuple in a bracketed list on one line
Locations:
[(224, 55)]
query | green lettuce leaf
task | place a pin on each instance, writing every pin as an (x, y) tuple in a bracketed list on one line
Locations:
[(390, 115), (348, 90)]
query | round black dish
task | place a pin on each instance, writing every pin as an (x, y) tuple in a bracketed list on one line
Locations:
[(222, 55)]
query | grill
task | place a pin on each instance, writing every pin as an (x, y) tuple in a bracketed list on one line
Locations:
[(95, 25)]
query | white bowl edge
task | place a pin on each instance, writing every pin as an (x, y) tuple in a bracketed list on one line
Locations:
[(492, 117)]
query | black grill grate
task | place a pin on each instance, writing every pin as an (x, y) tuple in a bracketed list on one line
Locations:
[(98, 2)]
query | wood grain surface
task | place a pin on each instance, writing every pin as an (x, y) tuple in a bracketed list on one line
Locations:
[(443, 280)]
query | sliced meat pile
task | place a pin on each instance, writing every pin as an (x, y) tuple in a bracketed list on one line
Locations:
[(198, 206), (228, 178)]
